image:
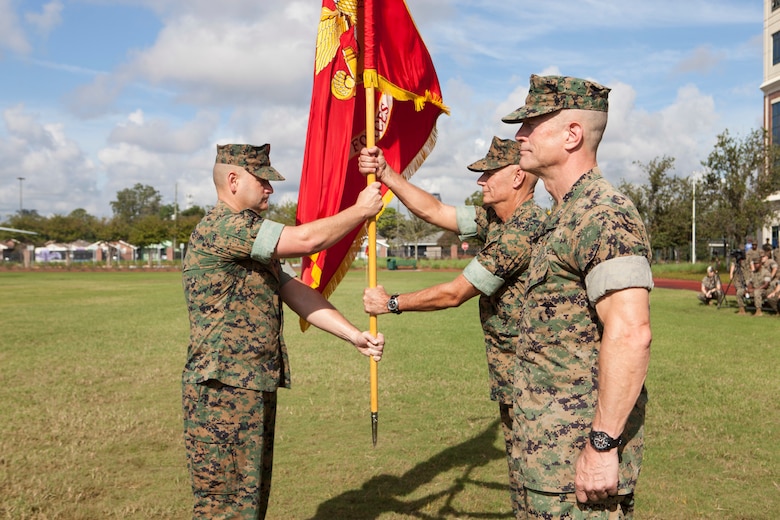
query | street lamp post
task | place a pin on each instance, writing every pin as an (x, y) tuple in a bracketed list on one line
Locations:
[(693, 224), (21, 205), (695, 178)]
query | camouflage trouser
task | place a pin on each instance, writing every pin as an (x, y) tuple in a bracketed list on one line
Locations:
[(229, 438), (758, 298), (507, 416), (564, 506), (741, 291), (706, 300), (773, 303)]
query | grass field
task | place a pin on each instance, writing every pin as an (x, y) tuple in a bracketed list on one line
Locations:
[(90, 424)]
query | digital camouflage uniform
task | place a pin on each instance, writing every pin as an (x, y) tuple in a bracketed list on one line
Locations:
[(740, 278), (710, 283), (236, 357), (774, 300), (592, 243), (761, 283), (772, 265), (498, 272)]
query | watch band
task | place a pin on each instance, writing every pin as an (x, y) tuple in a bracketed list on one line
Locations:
[(603, 442)]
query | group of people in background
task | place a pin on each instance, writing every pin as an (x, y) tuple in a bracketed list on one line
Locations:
[(754, 275), (563, 298)]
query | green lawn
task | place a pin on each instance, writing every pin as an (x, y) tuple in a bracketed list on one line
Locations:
[(90, 422)]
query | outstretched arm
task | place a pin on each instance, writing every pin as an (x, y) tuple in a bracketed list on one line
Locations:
[(436, 297), (321, 234), (314, 308), (419, 201)]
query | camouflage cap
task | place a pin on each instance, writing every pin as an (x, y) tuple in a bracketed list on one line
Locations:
[(254, 159), (552, 93), (503, 152)]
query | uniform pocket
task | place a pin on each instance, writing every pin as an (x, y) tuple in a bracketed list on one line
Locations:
[(212, 449)]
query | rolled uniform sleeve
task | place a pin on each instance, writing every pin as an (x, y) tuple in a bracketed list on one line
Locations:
[(486, 282), (267, 238), (617, 274), (467, 221)]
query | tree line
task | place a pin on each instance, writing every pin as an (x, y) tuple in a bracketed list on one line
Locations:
[(140, 218), (730, 194), (731, 204)]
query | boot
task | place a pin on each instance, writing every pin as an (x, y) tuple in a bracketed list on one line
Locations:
[(741, 311), (758, 313)]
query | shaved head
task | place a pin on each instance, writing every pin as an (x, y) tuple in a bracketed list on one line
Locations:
[(220, 174), (595, 123)]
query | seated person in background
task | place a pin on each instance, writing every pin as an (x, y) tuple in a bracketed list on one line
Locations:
[(774, 296), (711, 288), (760, 280), (764, 283)]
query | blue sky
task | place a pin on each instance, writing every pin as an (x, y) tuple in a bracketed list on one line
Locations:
[(98, 95)]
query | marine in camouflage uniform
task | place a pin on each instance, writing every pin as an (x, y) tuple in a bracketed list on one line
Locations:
[(773, 296), (497, 273), (763, 279), (711, 288), (590, 269), (234, 285), (739, 272)]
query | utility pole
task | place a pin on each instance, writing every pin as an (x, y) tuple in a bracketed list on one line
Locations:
[(175, 216), (21, 204), (693, 225)]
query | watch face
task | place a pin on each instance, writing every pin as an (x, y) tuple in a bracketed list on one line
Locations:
[(603, 442), (600, 441), (392, 304)]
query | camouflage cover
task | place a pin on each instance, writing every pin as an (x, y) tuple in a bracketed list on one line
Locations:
[(254, 159), (503, 152), (552, 93)]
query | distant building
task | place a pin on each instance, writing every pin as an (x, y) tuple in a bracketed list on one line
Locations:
[(381, 248), (56, 252), (426, 247), (771, 89), (113, 251)]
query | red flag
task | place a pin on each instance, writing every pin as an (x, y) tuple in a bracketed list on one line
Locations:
[(408, 103)]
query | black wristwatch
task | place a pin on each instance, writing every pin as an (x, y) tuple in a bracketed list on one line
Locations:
[(603, 442), (392, 304)]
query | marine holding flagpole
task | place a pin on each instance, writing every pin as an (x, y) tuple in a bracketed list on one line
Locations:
[(234, 285)]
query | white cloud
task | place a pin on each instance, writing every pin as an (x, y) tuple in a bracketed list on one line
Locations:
[(23, 125), (47, 19), (159, 136), (682, 130), (220, 56), (58, 177), (12, 37), (96, 98)]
